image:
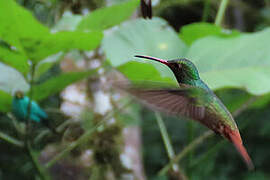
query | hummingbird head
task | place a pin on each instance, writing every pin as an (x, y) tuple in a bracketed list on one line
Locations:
[(183, 69), (19, 95)]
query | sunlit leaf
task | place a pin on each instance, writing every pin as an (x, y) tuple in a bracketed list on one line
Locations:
[(242, 62), (17, 24), (61, 41), (109, 16), (142, 37), (14, 59)]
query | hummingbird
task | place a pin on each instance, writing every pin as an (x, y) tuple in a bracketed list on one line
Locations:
[(146, 9), (20, 104), (193, 99)]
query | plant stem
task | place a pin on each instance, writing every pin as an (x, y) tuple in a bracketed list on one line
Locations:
[(206, 10), (82, 139), (221, 12), (202, 138), (190, 135), (168, 146), (28, 127), (11, 140), (186, 150), (165, 136)]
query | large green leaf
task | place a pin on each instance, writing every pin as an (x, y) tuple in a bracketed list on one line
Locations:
[(56, 84), (242, 62), (5, 101), (14, 59), (109, 16), (147, 73), (195, 31), (151, 37), (61, 41), (16, 23)]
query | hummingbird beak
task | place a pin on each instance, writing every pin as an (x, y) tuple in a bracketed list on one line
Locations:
[(155, 59)]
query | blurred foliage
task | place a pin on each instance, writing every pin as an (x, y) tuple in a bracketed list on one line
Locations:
[(37, 36)]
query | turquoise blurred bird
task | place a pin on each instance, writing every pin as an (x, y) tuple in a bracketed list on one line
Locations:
[(20, 109)]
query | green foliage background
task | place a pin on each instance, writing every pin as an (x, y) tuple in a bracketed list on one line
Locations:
[(234, 61)]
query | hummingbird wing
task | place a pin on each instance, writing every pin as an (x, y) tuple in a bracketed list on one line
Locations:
[(195, 103), (146, 8), (191, 102)]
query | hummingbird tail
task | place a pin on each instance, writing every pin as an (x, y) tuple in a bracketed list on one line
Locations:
[(235, 138)]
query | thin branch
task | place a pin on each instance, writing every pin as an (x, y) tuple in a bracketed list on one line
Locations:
[(186, 150), (221, 12), (11, 140), (82, 139), (28, 127), (168, 145)]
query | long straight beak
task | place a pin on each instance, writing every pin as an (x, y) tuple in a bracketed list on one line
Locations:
[(153, 58)]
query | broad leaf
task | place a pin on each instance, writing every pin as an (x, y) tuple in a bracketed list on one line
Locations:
[(147, 73), (5, 101), (11, 80), (57, 84), (109, 16), (16, 24), (14, 59), (195, 31), (61, 41), (141, 37), (242, 62)]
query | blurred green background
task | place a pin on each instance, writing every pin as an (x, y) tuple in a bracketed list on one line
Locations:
[(64, 53)]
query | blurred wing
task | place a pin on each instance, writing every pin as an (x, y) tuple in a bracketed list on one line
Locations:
[(189, 102), (146, 8)]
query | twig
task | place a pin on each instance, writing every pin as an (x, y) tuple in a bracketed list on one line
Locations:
[(82, 139), (201, 139), (11, 140), (28, 127), (185, 151), (221, 12), (168, 144)]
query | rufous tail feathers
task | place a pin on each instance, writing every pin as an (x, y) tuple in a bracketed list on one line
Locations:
[(235, 138)]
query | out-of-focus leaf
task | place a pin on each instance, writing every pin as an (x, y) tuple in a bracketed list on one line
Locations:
[(241, 62), (61, 41), (141, 37), (258, 175), (5, 101), (109, 16), (147, 72), (195, 31), (46, 64), (233, 99), (17, 24), (14, 59), (56, 84), (11, 80), (68, 22)]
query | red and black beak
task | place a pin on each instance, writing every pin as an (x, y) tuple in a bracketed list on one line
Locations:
[(155, 59)]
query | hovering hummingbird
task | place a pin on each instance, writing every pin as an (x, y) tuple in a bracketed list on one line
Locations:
[(20, 104), (146, 9), (194, 100)]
